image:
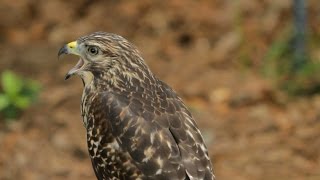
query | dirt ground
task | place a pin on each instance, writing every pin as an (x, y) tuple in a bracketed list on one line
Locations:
[(252, 129)]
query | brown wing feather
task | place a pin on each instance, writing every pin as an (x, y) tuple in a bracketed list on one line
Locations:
[(151, 147), (159, 134), (193, 151)]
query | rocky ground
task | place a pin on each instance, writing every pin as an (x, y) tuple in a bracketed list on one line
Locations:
[(210, 52)]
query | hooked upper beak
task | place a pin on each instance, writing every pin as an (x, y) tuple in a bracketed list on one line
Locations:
[(70, 48)]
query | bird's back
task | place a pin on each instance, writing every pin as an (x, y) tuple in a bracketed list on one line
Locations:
[(144, 131)]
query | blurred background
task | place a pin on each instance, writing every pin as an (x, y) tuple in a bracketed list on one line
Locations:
[(247, 69)]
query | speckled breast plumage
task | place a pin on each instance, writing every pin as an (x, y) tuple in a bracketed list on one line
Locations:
[(108, 159)]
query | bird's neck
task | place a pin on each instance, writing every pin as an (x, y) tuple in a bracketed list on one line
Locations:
[(87, 78), (121, 80)]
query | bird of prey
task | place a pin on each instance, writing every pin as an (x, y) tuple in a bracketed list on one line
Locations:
[(137, 127)]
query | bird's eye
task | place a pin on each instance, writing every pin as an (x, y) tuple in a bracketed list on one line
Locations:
[(93, 50)]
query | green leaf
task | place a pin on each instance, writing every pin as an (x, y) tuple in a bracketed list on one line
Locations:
[(11, 113), (31, 89), (11, 83), (22, 102), (4, 101), (34, 86)]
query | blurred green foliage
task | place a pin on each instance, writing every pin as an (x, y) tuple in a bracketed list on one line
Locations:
[(17, 94), (279, 66)]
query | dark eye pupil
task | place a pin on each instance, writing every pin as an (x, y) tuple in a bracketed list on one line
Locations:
[(93, 50)]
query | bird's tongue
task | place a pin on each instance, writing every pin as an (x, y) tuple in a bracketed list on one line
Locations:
[(75, 68)]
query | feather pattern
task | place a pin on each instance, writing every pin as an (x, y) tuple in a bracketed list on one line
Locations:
[(137, 126)]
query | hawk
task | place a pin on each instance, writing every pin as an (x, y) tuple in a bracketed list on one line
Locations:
[(137, 126)]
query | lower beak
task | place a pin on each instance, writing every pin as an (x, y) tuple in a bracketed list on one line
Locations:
[(74, 69)]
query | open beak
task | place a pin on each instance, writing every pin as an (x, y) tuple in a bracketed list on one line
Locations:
[(71, 48)]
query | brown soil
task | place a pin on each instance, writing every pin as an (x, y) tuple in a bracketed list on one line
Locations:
[(253, 130)]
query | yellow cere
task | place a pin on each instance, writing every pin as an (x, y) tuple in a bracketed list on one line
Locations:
[(72, 44)]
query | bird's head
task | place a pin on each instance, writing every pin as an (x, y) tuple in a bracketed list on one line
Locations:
[(102, 54)]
